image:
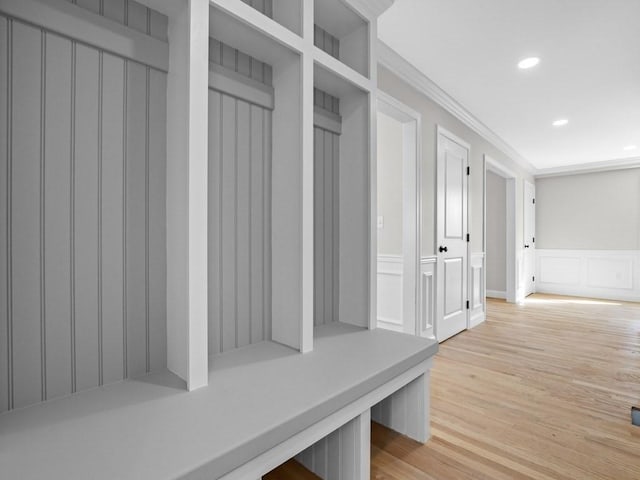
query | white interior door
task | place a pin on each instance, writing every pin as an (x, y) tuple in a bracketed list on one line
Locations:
[(529, 247), (451, 247)]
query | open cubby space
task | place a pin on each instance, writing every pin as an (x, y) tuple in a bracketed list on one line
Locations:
[(341, 202), (254, 212), (343, 34)]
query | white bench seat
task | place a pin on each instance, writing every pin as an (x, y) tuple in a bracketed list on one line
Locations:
[(258, 397)]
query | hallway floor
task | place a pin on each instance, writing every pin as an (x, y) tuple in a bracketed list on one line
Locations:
[(541, 390)]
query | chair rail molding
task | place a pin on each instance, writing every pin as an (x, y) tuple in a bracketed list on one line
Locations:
[(607, 274)]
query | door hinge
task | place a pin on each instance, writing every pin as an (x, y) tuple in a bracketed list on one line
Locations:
[(534, 201), (467, 304), (468, 170), (468, 237), (534, 240), (533, 278)]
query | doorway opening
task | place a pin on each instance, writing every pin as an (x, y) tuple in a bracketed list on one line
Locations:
[(500, 231), (398, 217)]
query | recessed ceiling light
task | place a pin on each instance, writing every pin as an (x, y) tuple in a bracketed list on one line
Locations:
[(528, 62), (630, 147), (561, 122)]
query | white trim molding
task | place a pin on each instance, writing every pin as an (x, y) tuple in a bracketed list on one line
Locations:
[(607, 274), (427, 297), (390, 292), (591, 167), (393, 61), (477, 293)]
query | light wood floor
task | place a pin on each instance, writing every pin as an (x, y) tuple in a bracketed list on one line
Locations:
[(540, 391)]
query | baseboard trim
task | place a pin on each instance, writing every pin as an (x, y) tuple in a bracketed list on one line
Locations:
[(496, 294), (477, 319)]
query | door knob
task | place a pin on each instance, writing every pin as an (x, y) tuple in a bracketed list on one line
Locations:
[(443, 249)]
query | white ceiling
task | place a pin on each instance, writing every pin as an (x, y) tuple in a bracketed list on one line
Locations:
[(589, 71)]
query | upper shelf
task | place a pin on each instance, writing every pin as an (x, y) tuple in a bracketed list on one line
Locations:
[(244, 27), (343, 34)]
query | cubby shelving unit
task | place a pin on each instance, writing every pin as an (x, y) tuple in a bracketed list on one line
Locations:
[(323, 264), (264, 187)]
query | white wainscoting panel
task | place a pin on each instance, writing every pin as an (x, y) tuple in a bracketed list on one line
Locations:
[(477, 294), (390, 292), (608, 274), (427, 297)]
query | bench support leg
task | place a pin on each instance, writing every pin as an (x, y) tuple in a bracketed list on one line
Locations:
[(343, 454), (407, 410)]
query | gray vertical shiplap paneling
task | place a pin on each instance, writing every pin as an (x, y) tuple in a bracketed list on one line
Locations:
[(334, 456), (112, 203), (327, 42), (326, 211), (82, 204), (239, 211), (267, 151), (115, 10), (158, 25), (85, 210), (229, 218), (214, 226), (335, 194), (257, 222), (318, 226), (57, 216), (25, 319), (130, 13), (243, 224), (92, 5), (237, 61), (137, 16), (5, 45), (157, 235), (136, 145)]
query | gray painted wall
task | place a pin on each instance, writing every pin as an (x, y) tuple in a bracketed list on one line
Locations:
[(390, 171), (239, 210), (496, 259), (82, 201), (433, 115), (592, 211)]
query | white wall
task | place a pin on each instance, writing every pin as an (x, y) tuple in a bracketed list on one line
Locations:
[(592, 211), (390, 185), (496, 230)]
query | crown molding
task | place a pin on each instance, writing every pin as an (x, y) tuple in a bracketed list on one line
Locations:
[(393, 61), (370, 9), (591, 167)]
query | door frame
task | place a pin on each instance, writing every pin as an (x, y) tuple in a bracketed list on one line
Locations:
[(523, 294), (511, 255), (411, 121), (440, 130)]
